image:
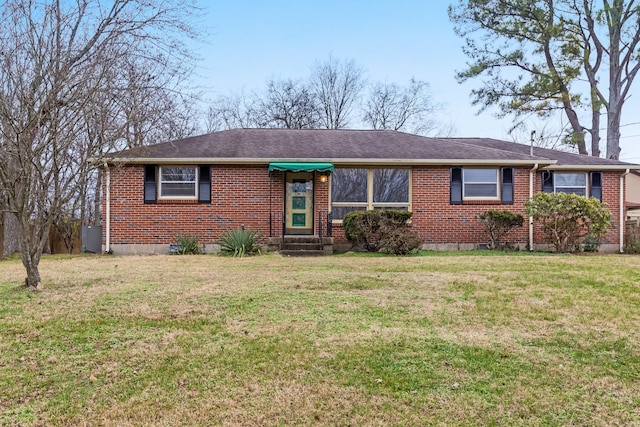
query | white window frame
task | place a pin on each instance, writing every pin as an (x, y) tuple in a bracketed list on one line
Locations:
[(496, 183), (585, 186), (181, 197), (370, 204)]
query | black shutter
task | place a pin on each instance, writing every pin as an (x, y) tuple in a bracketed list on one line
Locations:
[(547, 181), (507, 186), (150, 183), (204, 185), (596, 185), (456, 186)]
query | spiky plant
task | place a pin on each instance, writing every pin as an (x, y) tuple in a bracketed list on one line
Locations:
[(240, 242)]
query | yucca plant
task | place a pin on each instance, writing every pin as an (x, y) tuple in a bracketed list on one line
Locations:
[(240, 242), (188, 245)]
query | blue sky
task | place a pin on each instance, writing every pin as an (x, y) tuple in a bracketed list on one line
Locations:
[(249, 41)]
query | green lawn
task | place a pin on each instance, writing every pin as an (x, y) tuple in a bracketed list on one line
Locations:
[(444, 339)]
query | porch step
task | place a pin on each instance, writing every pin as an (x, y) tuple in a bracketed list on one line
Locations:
[(302, 246)]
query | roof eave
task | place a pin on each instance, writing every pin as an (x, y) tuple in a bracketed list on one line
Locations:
[(350, 161), (593, 167)]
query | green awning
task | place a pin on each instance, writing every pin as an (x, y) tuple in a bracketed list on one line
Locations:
[(300, 167)]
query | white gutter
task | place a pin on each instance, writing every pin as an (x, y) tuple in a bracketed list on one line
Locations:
[(107, 246), (532, 178), (592, 167), (336, 161), (622, 219)]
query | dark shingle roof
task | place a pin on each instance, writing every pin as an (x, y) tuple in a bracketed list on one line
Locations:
[(346, 146), (563, 158)]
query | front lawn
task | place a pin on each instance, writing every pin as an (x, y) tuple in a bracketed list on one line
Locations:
[(345, 340)]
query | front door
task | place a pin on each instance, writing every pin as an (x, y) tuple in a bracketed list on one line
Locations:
[(299, 203)]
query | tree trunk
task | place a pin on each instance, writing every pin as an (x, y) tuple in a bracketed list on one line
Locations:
[(595, 126), (613, 132), (30, 260)]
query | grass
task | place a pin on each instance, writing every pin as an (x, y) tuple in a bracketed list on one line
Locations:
[(346, 340)]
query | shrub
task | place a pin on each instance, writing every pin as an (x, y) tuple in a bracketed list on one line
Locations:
[(497, 224), (240, 242), (566, 219), (632, 237), (188, 245), (399, 241), (381, 231)]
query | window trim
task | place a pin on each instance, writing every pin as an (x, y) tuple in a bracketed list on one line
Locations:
[(497, 184), (196, 182), (370, 204)]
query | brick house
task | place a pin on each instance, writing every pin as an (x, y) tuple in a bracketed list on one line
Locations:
[(300, 183)]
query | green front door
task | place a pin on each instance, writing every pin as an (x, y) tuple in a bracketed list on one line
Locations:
[(299, 203)]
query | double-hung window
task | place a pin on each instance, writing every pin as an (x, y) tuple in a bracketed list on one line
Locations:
[(480, 183), (575, 183), (581, 183), (178, 182), (367, 189)]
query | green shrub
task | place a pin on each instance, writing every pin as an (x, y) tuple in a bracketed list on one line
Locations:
[(381, 231), (497, 224), (240, 242), (188, 245), (567, 219)]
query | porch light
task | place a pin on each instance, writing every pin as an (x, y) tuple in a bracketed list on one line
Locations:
[(323, 178)]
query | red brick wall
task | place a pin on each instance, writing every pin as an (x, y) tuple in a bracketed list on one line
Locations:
[(610, 196), (240, 195), (439, 222), (249, 195)]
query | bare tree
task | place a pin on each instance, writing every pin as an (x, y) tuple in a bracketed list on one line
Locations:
[(287, 104), (336, 86), (54, 63), (235, 110), (329, 98), (152, 104), (411, 108)]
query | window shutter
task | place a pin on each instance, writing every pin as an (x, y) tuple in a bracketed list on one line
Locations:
[(204, 185), (547, 181), (596, 185), (150, 183), (507, 186), (456, 186)]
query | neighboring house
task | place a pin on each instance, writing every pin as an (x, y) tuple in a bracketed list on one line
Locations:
[(632, 189), (289, 183)]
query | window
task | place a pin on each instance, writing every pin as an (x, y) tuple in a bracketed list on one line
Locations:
[(178, 182), (480, 183), (575, 183), (366, 189)]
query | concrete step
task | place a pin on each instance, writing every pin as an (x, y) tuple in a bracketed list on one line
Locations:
[(288, 246)]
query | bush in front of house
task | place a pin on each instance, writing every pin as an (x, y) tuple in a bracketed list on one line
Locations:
[(188, 245), (381, 231), (498, 224), (568, 220), (240, 242), (632, 237)]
